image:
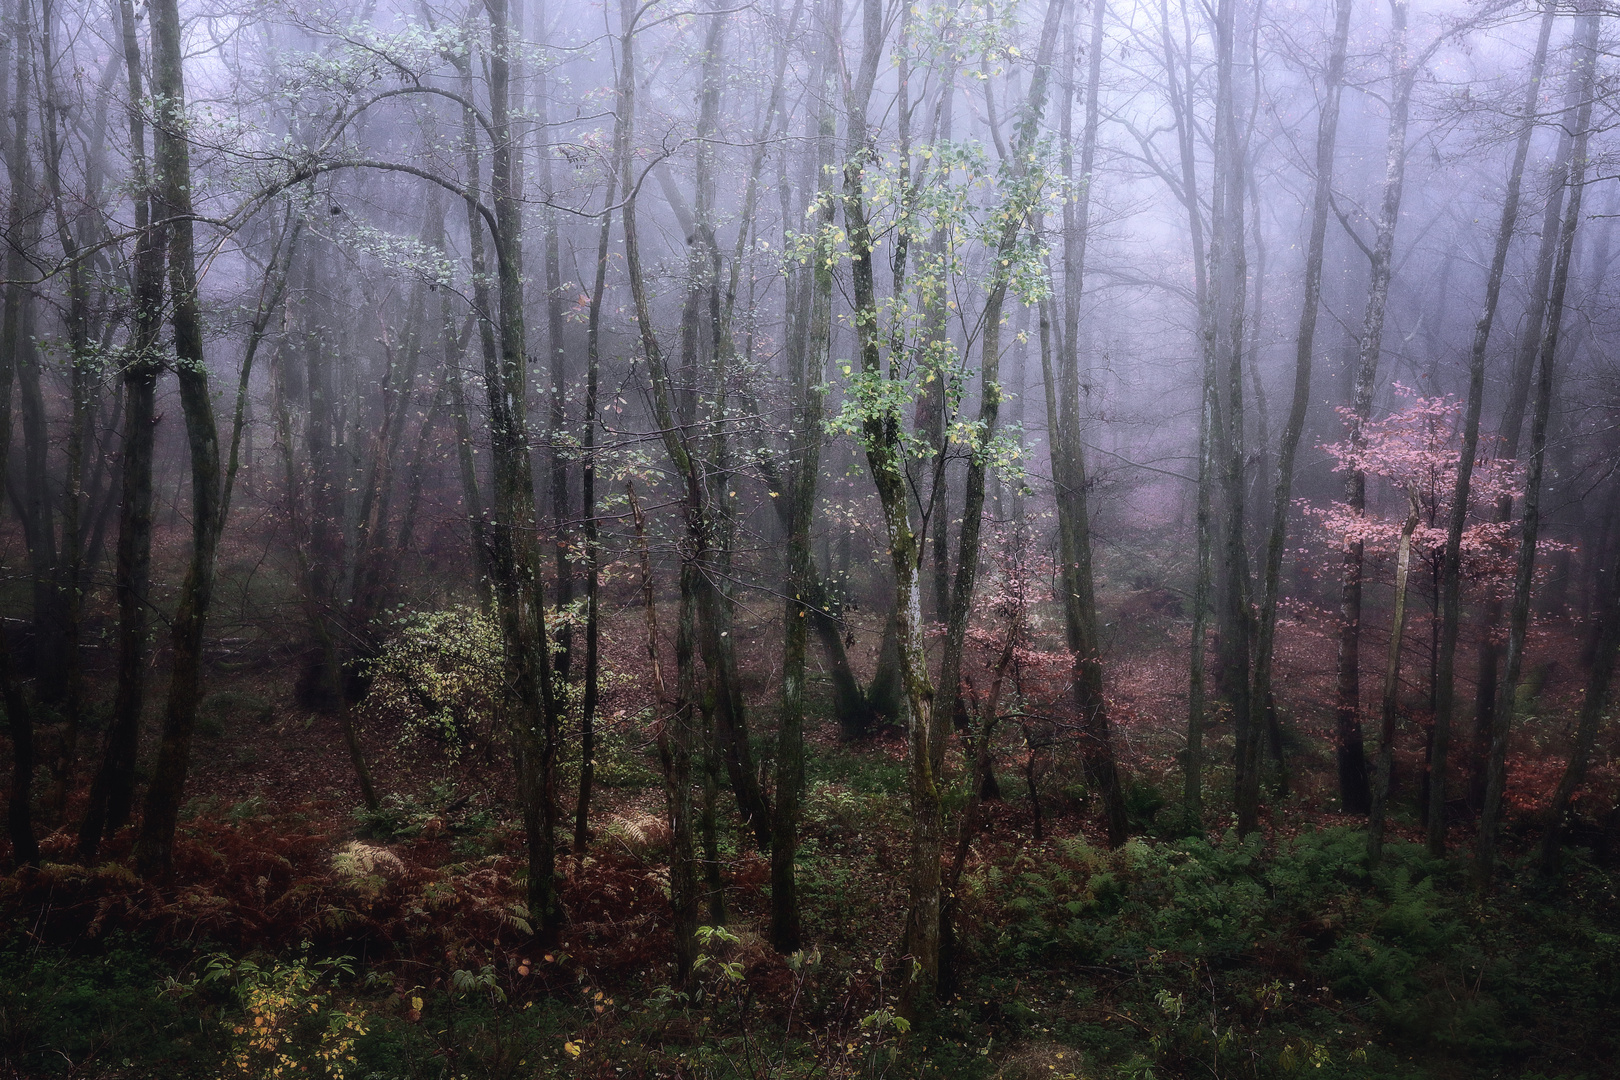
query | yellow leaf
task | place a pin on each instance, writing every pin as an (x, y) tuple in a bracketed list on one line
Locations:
[(573, 1048), (416, 1003)]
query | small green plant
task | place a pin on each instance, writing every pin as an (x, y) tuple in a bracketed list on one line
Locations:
[(441, 809), (440, 673), (294, 1025)]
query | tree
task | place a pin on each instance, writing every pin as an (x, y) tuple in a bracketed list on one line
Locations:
[(1574, 173), (1415, 453), (1353, 788), (882, 435), (1327, 132), (112, 793), (1450, 580), (172, 201), (807, 356), (13, 333), (1021, 192), (1067, 453)]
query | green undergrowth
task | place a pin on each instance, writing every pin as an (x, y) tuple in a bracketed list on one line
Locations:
[(1196, 958), (1166, 958)]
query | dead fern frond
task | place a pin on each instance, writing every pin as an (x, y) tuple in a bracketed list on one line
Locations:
[(640, 834)]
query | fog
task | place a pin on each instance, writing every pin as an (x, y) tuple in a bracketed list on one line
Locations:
[(1242, 373)]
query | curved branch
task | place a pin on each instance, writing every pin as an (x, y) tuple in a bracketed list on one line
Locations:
[(415, 88), (310, 171)]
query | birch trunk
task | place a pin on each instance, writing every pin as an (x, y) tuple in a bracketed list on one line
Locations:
[(1353, 788)]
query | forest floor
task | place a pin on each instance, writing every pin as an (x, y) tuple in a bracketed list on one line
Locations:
[(299, 937)]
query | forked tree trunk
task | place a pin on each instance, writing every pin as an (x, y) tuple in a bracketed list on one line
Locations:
[(516, 561), (154, 847), (881, 432), (676, 731), (1179, 77), (112, 791), (698, 465)]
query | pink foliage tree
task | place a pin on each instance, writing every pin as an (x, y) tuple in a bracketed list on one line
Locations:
[(1412, 455), (1415, 451)]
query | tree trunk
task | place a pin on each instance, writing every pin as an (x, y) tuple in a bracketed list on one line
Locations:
[(557, 352), (980, 780), (675, 733), (1510, 436), (1020, 203), (331, 661), (19, 720), (112, 792), (706, 523), (69, 571), (172, 157), (1353, 789), (1179, 78), (518, 587), (1598, 678), (929, 424), (1192, 796), (1392, 684), (673, 723), (1327, 131), (1222, 329), (881, 433), (1445, 676), (1519, 617), (853, 706), (806, 379), (593, 344), (1067, 454)]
